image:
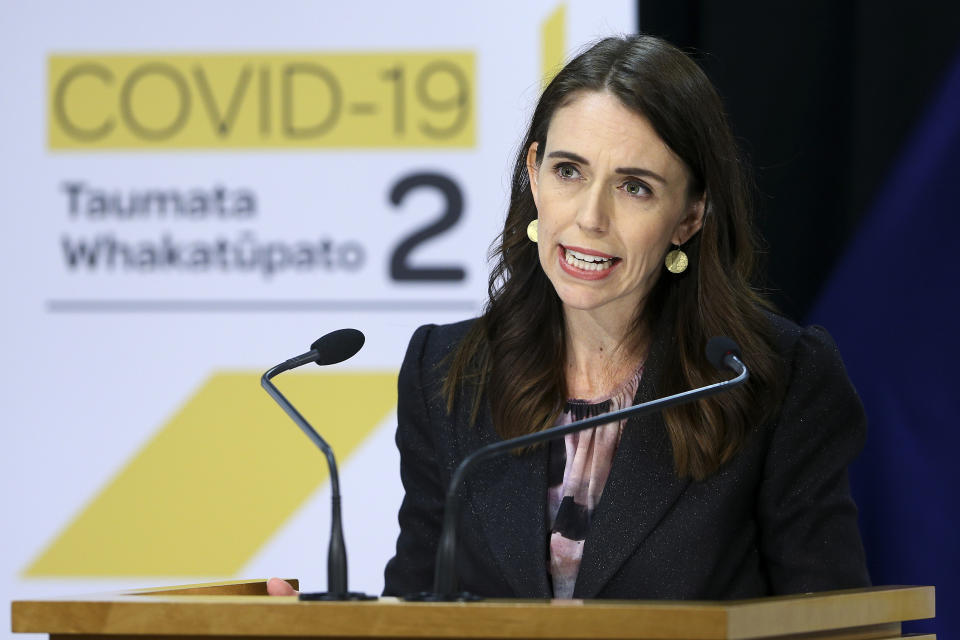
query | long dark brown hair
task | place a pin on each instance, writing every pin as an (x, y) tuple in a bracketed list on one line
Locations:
[(514, 356)]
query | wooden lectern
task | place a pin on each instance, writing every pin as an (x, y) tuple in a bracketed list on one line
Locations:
[(243, 610)]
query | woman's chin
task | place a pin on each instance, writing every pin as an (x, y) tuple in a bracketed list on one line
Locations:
[(588, 303)]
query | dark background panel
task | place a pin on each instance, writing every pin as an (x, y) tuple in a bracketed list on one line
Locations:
[(850, 114)]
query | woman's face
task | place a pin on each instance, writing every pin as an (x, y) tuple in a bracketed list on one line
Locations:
[(611, 197)]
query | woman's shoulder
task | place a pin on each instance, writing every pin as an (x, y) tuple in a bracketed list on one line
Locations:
[(814, 373), (420, 383), (794, 342), (434, 342), (431, 351)]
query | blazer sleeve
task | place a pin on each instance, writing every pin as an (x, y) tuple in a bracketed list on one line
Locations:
[(421, 512), (809, 534)]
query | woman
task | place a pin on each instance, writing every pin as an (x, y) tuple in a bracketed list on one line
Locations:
[(627, 245)]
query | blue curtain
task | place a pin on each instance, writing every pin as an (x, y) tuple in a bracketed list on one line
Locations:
[(893, 306)]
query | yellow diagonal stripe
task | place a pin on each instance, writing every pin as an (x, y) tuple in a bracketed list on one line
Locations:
[(552, 43), (219, 478)]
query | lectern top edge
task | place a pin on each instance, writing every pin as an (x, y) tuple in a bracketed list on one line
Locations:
[(240, 609)]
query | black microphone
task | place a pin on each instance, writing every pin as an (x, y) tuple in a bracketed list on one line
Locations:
[(332, 348), (722, 353)]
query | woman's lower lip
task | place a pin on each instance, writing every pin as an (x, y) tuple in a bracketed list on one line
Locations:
[(583, 274)]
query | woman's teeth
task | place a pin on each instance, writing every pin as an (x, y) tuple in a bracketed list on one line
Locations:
[(586, 261)]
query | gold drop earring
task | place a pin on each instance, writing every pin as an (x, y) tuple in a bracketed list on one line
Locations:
[(532, 230), (677, 261)]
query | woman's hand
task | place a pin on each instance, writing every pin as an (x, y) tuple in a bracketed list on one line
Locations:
[(278, 587)]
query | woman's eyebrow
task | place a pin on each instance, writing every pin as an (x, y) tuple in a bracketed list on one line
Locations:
[(568, 155), (630, 171), (637, 171)]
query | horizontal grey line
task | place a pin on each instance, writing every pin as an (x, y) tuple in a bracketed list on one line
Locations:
[(252, 306)]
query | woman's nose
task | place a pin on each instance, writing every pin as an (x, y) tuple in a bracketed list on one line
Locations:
[(593, 211)]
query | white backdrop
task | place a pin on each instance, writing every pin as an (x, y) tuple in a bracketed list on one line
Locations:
[(138, 446)]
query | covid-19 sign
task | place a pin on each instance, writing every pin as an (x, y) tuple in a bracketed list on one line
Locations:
[(195, 192)]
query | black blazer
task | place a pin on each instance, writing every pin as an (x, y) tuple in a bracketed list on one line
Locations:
[(777, 518)]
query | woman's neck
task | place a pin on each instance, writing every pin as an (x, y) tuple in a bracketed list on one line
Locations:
[(601, 353)]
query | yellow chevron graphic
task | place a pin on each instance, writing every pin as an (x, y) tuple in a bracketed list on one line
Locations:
[(218, 479), (552, 43)]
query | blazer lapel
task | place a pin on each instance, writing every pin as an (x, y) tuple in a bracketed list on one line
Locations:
[(641, 489), (508, 496)]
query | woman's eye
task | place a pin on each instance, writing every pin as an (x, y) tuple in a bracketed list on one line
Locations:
[(567, 172), (635, 188)]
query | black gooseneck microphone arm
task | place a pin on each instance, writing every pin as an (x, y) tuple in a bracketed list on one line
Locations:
[(330, 349), (336, 555), (722, 353)]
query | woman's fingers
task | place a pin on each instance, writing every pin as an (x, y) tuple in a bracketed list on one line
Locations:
[(278, 587)]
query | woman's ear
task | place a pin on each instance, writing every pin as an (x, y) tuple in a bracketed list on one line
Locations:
[(533, 173), (691, 222)]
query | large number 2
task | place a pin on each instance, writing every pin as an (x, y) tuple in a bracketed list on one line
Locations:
[(399, 268)]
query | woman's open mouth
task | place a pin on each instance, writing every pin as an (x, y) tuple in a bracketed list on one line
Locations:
[(584, 264)]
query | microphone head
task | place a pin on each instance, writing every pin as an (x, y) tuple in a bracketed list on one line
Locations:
[(718, 347), (337, 346)]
